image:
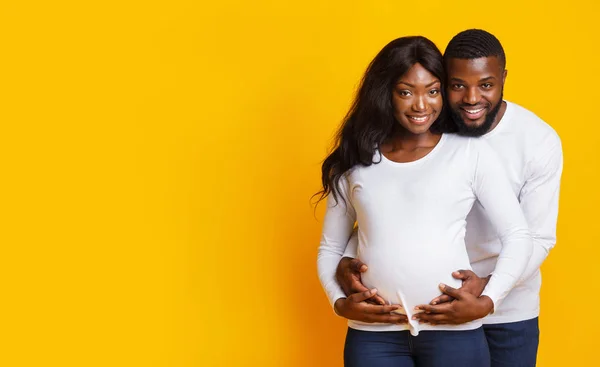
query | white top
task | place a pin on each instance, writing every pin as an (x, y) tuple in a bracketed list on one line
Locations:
[(531, 153), (412, 220)]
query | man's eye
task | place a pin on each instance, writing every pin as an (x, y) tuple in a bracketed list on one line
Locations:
[(457, 86), (486, 85)]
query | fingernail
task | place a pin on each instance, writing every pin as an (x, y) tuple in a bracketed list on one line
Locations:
[(434, 303), (374, 290), (417, 308), (442, 286), (414, 317)]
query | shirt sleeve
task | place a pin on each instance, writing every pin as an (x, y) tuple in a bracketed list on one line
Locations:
[(338, 224), (352, 248), (493, 190), (539, 203)]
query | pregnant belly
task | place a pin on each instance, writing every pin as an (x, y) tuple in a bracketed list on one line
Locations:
[(411, 278)]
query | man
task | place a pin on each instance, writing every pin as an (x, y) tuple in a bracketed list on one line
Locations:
[(532, 155)]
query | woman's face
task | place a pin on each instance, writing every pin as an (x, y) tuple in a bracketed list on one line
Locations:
[(417, 100)]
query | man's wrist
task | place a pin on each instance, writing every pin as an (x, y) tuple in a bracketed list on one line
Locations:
[(487, 305), (343, 266), (487, 279), (346, 258)]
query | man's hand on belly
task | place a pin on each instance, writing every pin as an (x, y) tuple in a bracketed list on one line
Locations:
[(355, 308), (348, 276), (470, 283), (464, 308)]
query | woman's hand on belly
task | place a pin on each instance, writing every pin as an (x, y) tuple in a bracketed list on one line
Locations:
[(356, 308)]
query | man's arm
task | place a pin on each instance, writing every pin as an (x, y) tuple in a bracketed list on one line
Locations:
[(495, 194), (539, 202)]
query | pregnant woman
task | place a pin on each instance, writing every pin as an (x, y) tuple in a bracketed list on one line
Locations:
[(409, 186)]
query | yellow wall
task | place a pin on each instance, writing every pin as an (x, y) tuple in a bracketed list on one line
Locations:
[(158, 159)]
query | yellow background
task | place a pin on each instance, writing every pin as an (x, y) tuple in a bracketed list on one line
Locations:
[(158, 158)]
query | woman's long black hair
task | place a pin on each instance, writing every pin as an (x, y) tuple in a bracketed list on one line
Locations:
[(371, 120)]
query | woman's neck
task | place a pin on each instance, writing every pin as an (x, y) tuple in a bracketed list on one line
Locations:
[(404, 140)]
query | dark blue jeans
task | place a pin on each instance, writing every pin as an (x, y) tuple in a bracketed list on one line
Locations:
[(513, 344), (466, 348)]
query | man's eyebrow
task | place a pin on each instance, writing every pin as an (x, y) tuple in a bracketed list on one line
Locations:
[(487, 78)]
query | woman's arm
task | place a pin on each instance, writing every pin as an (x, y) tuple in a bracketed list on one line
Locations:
[(337, 228), (338, 223)]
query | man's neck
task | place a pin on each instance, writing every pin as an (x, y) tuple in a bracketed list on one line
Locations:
[(499, 116)]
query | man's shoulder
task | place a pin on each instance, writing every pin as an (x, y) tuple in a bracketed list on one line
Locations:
[(462, 140), (469, 146), (532, 128)]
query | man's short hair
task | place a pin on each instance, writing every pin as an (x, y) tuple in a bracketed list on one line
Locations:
[(473, 44)]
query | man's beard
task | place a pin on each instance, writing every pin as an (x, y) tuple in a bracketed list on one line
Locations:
[(466, 130)]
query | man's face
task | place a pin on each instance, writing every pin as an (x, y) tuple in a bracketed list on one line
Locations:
[(475, 93)]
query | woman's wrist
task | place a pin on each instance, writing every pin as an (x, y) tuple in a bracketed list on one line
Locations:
[(338, 305)]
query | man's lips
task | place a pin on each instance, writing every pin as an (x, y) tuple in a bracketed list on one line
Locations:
[(473, 112)]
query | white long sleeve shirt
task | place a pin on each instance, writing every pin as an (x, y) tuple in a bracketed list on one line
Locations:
[(412, 222), (531, 153)]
